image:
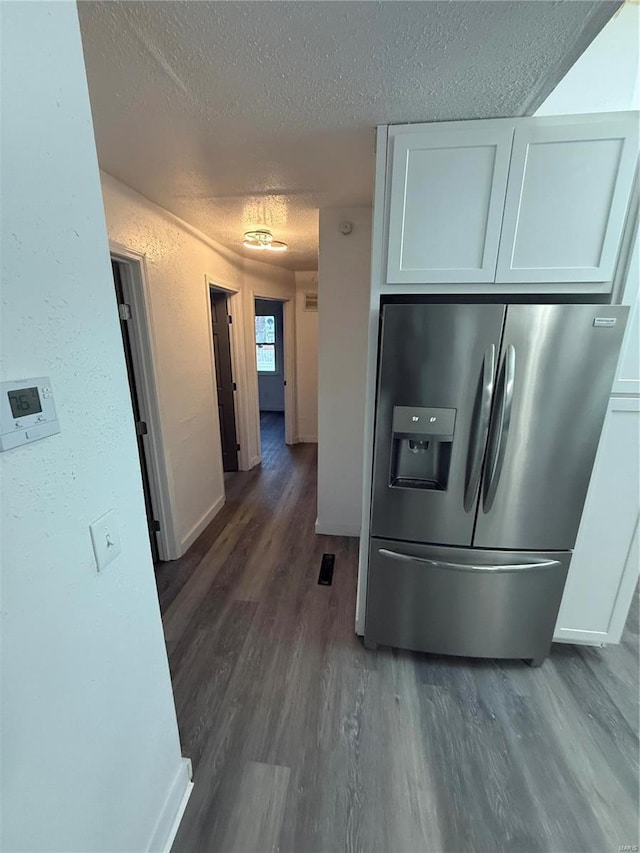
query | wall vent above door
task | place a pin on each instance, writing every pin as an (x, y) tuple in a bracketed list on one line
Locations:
[(311, 302)]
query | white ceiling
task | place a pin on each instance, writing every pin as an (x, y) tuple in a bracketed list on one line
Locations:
[(236, 115)]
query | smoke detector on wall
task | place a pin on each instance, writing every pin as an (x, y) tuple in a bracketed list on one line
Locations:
[(262, 240)]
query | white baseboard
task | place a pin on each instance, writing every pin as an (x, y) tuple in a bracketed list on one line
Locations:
[(176, 824), (200, 525), (307, 439), (174, 807), (337, 528)]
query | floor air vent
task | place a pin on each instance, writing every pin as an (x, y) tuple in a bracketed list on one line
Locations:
[(326, 569)]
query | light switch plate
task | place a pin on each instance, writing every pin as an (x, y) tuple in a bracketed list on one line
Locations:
[(105, 537)]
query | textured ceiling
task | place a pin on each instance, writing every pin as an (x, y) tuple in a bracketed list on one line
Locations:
[(236, 115)]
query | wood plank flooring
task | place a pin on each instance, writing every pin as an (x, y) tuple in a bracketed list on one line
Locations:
[(303, 741)]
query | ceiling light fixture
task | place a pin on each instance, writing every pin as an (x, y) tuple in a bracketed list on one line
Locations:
[(262, 240)]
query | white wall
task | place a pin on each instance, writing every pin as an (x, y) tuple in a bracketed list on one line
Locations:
[(306, 359), (605, 77), (178, 258), (90, 749), (344, 286)]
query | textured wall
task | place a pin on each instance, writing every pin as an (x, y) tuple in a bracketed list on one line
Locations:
[(344, 286), (177, 261), (307, 359), (90, 745)]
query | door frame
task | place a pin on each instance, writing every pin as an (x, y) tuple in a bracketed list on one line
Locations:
[(246, 459), (245, 369), (135, 284), (223, 294), (289, 372)]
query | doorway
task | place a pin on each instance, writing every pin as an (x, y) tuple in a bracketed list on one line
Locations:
[(141, 425), (270, 363), (220, 322)]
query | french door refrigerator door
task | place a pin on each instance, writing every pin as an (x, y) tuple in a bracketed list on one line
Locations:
[(557, 365), (436, 377), (463, 601)]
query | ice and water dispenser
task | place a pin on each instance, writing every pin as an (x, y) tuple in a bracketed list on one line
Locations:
[(421, 447)]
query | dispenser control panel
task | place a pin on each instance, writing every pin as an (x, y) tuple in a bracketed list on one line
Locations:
[(27, 412), (417, 420), (421, 442)]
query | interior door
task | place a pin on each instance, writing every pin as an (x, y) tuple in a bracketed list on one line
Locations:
[(556, 368), (141, 426), (436, 362), (224, 379)]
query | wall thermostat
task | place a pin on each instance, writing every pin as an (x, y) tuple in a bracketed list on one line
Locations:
[(27, 412)]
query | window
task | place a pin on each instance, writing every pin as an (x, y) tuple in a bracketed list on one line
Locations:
[(266, 343)]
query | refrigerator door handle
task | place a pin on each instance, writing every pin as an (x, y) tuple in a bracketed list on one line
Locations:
[(466, 567), (481, 427), (500, 432)]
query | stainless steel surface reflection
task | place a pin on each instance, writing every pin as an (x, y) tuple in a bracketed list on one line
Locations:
[(564, 368), (464, 601), (487, 425)]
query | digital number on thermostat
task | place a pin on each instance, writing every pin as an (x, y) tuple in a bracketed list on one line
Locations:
[(24, 401)]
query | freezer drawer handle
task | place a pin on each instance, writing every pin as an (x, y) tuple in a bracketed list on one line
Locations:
[(466, 567), (482, 428), (500, 432)]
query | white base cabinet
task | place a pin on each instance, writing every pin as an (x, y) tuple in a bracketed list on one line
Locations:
[(627, 379), (604, 569)]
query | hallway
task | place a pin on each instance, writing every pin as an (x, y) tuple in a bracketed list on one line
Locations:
[(271, 438), (303, 741)]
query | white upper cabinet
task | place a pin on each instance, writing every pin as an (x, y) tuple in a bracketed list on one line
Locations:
[(569, 185), (447, 190)]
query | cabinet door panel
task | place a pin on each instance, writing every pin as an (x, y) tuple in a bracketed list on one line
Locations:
[(567, 195), (604, 567), (447, 195), (627, 379)]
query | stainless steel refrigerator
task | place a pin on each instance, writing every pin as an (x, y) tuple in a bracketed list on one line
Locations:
[(487, 423)]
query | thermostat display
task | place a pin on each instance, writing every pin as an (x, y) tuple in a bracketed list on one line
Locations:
[(24, 401), (27, 412)]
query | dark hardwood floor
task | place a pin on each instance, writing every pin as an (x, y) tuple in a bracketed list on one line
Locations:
[(302, 741), (271, 432)]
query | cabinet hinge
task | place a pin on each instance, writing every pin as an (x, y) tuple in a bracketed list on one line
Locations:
[(141, 428), (237, 447), (124, 311), (235, 387), (229, 319), (156, 525)]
